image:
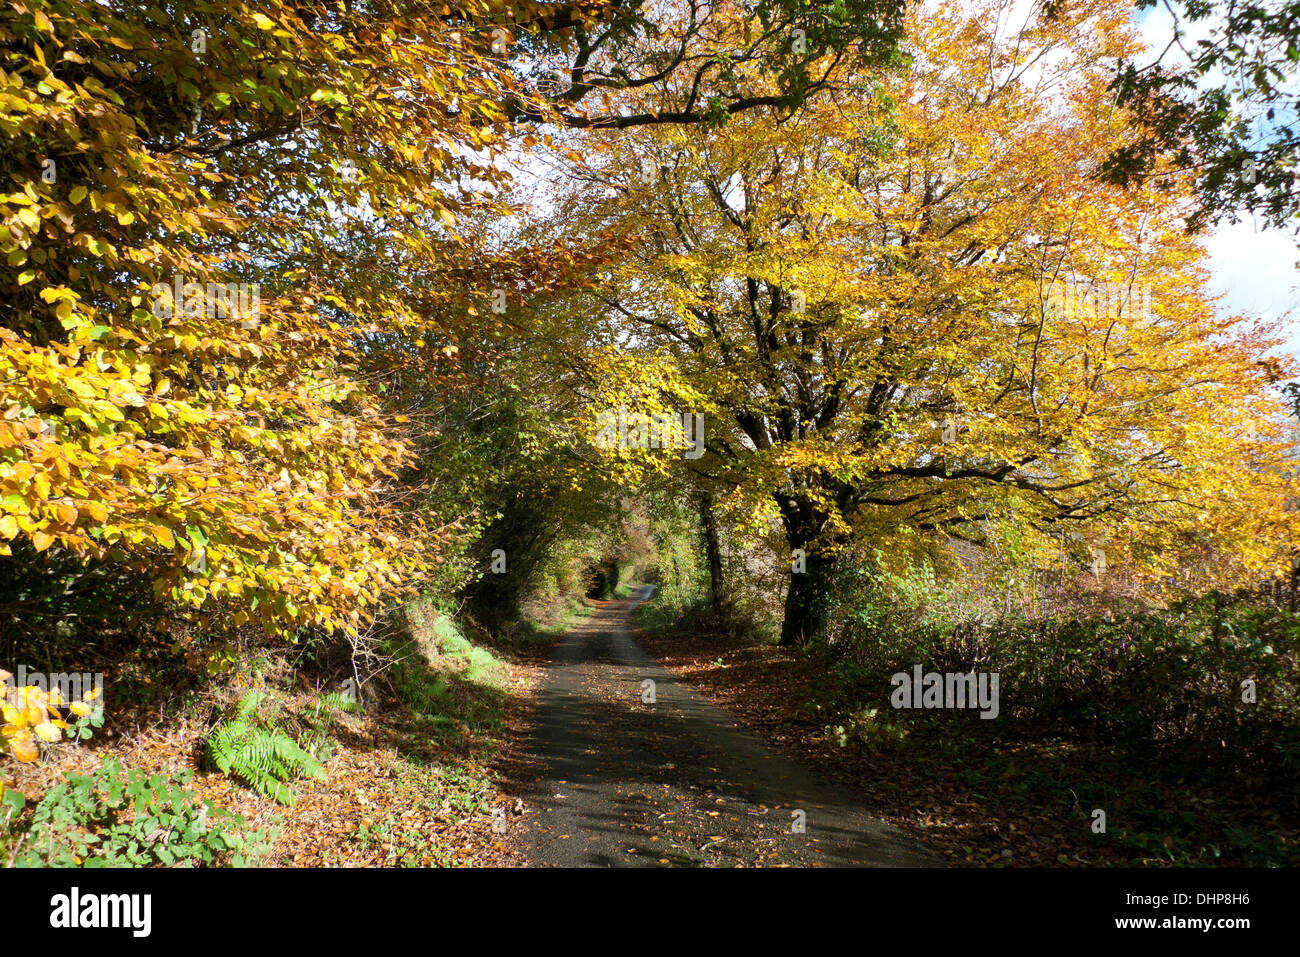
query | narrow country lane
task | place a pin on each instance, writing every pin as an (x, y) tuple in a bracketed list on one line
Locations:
[(674, 782)]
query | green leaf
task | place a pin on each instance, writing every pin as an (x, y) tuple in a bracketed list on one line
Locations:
[(13, 798)]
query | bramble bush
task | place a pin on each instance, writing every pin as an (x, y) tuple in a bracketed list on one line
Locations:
[(1145, 680), (120, 817)]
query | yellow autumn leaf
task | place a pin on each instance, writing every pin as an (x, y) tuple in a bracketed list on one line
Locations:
[(36, 711), (23, 747)]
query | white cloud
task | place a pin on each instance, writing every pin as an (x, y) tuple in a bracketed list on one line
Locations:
[(1255, 269)]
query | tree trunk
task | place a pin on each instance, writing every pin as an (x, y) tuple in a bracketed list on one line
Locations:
[(1295, 577), (805, 602), (713, 552)]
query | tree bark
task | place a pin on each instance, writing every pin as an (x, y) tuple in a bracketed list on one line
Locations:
[(806, 601), (713, 552)]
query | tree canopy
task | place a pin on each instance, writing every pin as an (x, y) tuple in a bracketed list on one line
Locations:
[(911, 313), (1227, 119), (256, 255)]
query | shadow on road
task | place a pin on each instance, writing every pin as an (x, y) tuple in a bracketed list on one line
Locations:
[(637, 769)]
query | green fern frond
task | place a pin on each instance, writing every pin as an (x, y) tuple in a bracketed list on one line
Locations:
[(338, 701), (259, 755)]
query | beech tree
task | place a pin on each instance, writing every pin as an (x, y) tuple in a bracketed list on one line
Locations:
[(158, 156), (912, 313)]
